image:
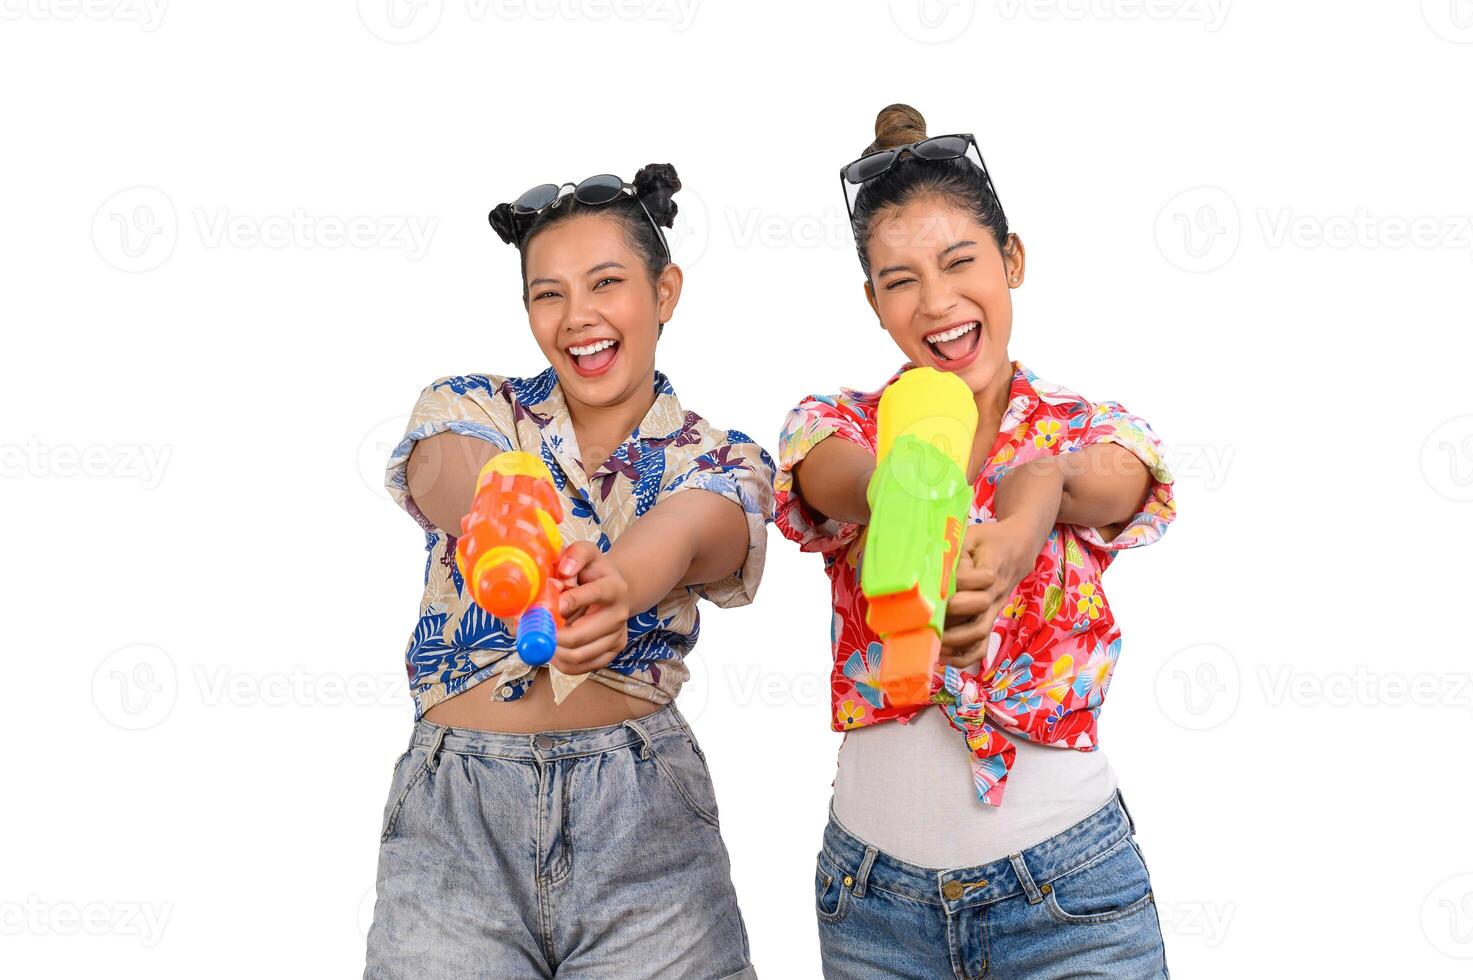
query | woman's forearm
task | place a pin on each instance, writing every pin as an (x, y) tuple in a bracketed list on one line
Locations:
[(1100, 486), (1029, 498), (688, 538), (833, 478)]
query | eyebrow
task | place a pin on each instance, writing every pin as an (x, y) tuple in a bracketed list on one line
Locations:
[(939, 255), (598, 268)]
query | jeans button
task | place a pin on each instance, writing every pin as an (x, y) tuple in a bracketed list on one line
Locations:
[(543, 742), (952, 890)]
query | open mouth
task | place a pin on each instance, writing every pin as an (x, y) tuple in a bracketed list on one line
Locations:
[(593, 358), (955, 344)]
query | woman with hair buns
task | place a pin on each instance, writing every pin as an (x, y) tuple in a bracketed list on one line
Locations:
[(560, 819), (980, 833)]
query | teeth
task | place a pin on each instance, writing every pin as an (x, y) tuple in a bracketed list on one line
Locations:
[(593, 348), (953, 333)]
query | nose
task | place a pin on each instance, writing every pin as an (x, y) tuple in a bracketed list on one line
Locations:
[(581, 312), (936, 299)]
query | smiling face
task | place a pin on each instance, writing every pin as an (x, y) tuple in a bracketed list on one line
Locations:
[(593, 308), (942, 289)]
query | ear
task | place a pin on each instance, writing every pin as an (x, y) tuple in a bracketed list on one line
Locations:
[(869, 295), (667, 290), (1013, 261)]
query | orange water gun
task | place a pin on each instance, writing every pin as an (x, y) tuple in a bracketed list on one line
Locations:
[(509, 547)]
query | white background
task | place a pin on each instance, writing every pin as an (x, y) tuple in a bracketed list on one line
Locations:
[(1249, 222)]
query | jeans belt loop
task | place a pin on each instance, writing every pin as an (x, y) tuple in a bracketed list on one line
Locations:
[(644, 737), (861, 879), (431, 760), (1029, 888), (1120, 798)]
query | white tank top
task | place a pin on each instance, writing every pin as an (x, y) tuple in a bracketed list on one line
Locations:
[(908, 790)]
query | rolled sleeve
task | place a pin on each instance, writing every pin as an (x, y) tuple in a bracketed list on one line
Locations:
[(445, 405), (1109, 422), (811, 422), (741, 472)]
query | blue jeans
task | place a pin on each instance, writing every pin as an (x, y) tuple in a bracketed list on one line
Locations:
[(1078, 904), (588, 853)]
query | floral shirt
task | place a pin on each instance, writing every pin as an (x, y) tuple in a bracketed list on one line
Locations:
[(456, 644), (1052, 649)]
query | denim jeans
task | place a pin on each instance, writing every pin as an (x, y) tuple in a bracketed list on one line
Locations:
[(589, 853), (1078, 904)]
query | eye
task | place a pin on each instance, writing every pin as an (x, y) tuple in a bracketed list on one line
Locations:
[(606, 279), (959, 263), (897, 283), (546, 293)]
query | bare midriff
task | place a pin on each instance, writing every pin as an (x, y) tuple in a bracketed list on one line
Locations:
[(590, 705)]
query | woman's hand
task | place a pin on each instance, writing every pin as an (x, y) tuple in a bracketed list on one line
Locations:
[(595, 607), (995, 558)]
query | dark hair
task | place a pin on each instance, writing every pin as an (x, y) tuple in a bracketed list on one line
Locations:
[(958, 181), (654, 186)]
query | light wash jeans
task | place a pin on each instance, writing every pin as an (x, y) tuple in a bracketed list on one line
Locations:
[(1078, 904), (588, 853)]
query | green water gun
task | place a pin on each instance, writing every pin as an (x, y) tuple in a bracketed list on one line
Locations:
[(919, 501)]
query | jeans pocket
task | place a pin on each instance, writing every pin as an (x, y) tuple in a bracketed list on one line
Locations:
[(409, 772), (1110, 887), (675, 755), (830, 891)]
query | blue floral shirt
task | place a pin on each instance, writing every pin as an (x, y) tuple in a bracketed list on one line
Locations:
[(456, 645)]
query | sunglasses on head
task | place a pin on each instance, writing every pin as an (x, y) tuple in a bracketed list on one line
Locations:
[(596, 190), (951, 147)]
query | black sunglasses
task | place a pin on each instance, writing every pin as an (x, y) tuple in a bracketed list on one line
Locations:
[(872, 165), (595, 190)]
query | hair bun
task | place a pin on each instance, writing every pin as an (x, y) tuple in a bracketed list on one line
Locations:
[(656, 184), (503, 222), (897, 125)]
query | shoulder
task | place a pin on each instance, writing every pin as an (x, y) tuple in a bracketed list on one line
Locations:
[(1076, 420), (1052, 394), (850, 409), (469, 404), (703, 439), (466, 384), (1061, 401), (529, 391), (493, 393)]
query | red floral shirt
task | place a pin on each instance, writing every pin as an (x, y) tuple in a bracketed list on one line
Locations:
[(1053, 648)]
